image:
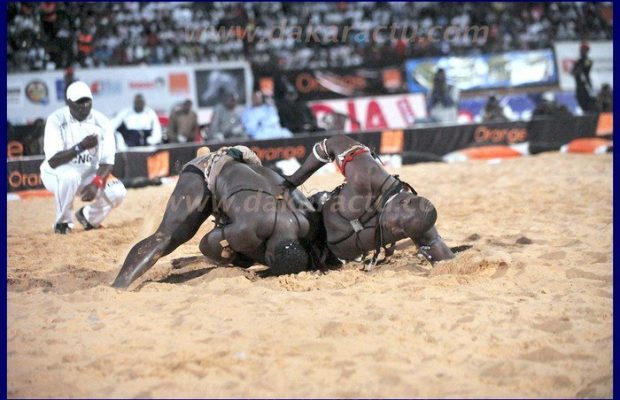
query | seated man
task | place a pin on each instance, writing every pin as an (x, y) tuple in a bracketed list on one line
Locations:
[(139, 125), (372, 208), (261, 120), (258, 219), (226, 121), (183, 125)]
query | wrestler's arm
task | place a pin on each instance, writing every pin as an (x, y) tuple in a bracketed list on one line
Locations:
[(315, 160), (433, 247)]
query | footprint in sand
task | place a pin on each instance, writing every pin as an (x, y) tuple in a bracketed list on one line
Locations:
[(556, 255), (21, 285), (339, 329), (553, 326), (524, 240), (578, 273), (597, 257), (499, 373), (598, 388), (544, 355), (473, 237)]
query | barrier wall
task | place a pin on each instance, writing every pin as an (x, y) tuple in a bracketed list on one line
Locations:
[(418, 144)]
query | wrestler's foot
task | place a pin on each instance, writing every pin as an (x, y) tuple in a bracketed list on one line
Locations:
[(82, 220), (62, 228)]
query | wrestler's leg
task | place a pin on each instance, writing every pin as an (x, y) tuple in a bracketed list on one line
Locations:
[(219, 252), (188, 207)]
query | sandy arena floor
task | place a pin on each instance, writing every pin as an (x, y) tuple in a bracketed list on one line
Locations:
[(527, 312)]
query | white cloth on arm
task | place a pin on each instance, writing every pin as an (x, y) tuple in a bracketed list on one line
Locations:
[(63, 132)]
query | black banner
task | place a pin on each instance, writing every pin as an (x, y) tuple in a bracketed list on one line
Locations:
[(441, 140), (335, 83), (547, 134)]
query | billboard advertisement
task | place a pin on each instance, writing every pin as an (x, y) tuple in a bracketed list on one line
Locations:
[(336, 83), (36, 95), (487, 71), (368, 113)]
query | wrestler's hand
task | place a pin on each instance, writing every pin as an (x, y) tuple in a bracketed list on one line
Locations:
[(89, 192)]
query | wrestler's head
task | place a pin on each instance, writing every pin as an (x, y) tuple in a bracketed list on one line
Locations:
[(413, 214), (289, 257)]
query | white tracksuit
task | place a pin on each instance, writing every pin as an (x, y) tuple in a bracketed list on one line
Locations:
[(140, 129), (63, 132)]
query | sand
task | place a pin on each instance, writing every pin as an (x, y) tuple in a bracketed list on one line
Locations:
[(526, 312)]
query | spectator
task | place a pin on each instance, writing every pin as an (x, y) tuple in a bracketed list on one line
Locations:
[(294, 114), (69, 78), (493, 111), (443, 100), (226, 121), (183, 124), (138, 125), (33, 140), (49, 18), (84, 45), (261, 120), (160, 29), (605, 99), (548, 107), (581, 72)]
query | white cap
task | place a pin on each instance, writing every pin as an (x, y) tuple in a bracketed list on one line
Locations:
[(78, 90)]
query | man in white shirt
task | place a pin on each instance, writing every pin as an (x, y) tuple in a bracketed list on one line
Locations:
[(79, 156), (139, 125)]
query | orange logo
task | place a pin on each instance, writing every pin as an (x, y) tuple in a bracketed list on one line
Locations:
[(605, 124), (179, 83), (24, 181), (280, 153), (392, 142), (392, 78), (15, 149), (510, 136), (158, 165)]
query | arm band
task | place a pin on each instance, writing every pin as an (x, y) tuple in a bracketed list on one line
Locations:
[(316, 154), (78, 148), (98, 181)]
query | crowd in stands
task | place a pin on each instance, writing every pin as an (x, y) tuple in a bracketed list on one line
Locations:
[(49, 36), (53, 36)]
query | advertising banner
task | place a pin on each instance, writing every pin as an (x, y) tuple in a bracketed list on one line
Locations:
[(487, 71), (335, 83), (36, 95), (601, 54), (421, 144), (369, 113)]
